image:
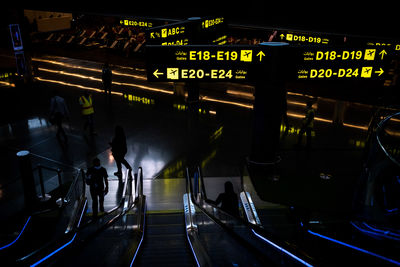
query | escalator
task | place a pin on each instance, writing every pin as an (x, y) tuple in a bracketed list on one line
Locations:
[(220, 239), (112, 238), (371, 235), (48, 227), (165, 241)]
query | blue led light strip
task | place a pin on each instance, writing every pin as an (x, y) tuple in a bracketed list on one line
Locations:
[(385, 232), (194, 253), (63, 246), (282, 249), (141, 240), (54, 252), (354, 247), (20, 233)]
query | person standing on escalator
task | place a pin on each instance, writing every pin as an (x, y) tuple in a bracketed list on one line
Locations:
[(228, 200), (97, 179)]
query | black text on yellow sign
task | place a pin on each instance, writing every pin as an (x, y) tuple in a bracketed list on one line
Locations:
[(365, 72), (345, 55)]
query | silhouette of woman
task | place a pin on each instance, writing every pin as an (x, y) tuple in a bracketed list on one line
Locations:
[(119, 149), (228, 200)]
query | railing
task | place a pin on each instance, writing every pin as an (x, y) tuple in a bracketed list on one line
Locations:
[(40, 170), (379, 137), (276, 252)]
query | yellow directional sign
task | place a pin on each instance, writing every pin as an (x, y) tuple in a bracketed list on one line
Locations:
[(156, 73), (260, 55), (382, 53), (380, 71)]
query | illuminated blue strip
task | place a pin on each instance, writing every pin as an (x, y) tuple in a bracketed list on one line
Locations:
[(63, 246), (141, 240), (375, 232), (20, 233), (194, 253), (379, 230), (282, 249), (354, 247), (54, 252)]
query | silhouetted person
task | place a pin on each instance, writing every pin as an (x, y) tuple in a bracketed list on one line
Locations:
[(307, 124), (228, 200), (106, 77), (96, 178), (58, 111), (119, 149)]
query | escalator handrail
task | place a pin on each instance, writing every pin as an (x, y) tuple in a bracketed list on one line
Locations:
[(379, 129), (257, 230), (213, 218), (246, 196), (218, 222), (80, 173), (120, 214), (140, 201), (77, 227)]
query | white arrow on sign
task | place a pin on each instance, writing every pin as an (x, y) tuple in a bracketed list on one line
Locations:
[(156, 73)]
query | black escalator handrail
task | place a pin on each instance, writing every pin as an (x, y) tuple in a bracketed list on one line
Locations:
[(202, 186), (116, 217), (80, 173), (76, 221), (70, 236), (218, 222), (379, 129), (139, 183), (140, 201), (255, 228)]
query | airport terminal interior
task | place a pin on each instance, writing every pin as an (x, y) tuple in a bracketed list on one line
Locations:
[(139, 138)]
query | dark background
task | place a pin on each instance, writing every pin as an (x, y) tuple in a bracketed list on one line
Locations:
[(379, 18)]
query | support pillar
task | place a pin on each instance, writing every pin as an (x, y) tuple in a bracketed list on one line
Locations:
[(28, 181), (269, 107)]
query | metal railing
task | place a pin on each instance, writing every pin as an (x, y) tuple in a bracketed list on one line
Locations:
[(380, 131)]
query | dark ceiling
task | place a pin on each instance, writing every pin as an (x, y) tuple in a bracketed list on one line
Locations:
[(349, 17)]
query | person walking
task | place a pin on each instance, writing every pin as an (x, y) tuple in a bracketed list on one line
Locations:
[(96, 178), (307, 125), (228, 200), (119, 150), (106, 77), (86, 103), (58, 111)]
